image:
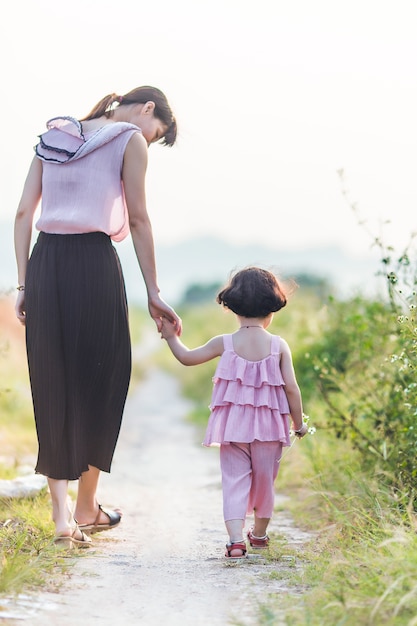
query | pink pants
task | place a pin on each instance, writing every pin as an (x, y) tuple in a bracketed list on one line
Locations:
[(249, 471)]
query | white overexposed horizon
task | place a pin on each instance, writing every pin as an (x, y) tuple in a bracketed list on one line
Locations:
[(272, 99)]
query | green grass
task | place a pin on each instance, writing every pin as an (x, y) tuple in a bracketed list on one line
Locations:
[(28, 557), (361, 566)]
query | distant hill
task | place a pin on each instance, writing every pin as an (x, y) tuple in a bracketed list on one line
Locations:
[(209, 259)]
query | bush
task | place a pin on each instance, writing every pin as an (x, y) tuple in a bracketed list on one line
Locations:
[(364, 367)]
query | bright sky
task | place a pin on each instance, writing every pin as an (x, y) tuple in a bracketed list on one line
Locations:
[(272, 98)]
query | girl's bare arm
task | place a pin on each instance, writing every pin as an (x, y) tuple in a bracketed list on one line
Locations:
[(292, 389), (210, 350)]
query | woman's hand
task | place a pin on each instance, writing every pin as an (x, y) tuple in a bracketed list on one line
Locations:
[(20, 307), (159, 309)]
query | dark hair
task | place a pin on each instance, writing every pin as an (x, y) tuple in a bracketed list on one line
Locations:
[(253, 292), (140, 95)]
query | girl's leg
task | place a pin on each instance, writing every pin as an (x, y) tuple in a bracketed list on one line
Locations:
[(265, 465), (235, 465), (260, 526), (234, 529)]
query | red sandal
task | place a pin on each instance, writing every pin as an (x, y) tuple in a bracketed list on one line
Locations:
[(239, 545), (258, 543)]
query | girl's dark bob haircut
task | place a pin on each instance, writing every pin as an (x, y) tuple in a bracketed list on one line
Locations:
[(253, 292)]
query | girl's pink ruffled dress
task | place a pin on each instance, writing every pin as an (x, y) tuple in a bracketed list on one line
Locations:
[(248, 400)]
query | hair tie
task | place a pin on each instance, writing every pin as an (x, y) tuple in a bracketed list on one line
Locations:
[(120, 99)]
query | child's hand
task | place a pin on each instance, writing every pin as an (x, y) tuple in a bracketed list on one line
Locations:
[(168, 328), (301, 432)]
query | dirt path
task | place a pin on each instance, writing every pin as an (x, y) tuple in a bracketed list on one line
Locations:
[(164, 564)]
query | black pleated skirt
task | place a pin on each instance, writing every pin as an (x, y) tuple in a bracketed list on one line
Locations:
[(79, 352)]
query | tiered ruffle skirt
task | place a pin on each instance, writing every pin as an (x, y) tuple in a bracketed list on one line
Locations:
[(248, 402)]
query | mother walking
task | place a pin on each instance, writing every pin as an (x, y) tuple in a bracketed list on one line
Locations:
[(89, 175)]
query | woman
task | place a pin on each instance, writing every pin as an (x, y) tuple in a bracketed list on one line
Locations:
[(90, 175)]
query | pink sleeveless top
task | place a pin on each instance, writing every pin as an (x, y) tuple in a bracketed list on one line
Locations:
[(248, 400), (82, 189)]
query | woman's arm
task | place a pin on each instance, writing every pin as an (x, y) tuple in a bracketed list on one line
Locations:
[(31, 195), (133, 175), (210, 350)]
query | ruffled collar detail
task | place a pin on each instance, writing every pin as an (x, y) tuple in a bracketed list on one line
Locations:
[(65, 141)]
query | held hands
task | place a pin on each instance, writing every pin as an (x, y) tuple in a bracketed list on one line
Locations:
[(160, 311), (167, 329)]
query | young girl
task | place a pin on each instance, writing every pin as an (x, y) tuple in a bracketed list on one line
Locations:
[(255, 393)]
